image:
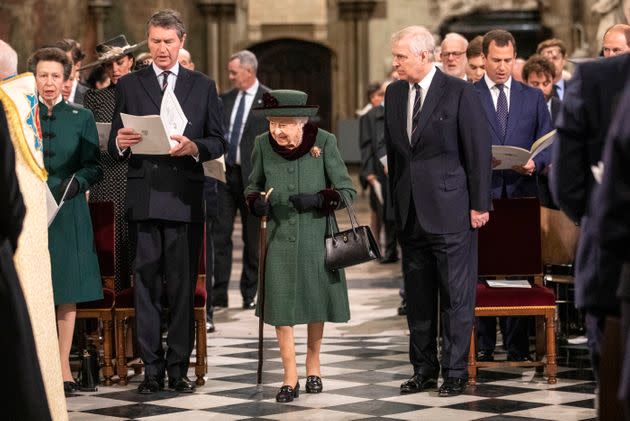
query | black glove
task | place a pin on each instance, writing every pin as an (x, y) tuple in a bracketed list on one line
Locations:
[(259, 207), (305, 202), (73, 190)]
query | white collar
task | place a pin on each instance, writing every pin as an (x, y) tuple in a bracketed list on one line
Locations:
[(57, 101), (174, 70), (251, 91), (491, 84), (426, 80)]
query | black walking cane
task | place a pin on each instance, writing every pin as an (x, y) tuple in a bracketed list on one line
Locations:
[(262, 257)]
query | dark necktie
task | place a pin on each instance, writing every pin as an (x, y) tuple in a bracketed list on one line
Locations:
[(416, 109), (502, 110), (236, 130), (165, 75), (556, 91)]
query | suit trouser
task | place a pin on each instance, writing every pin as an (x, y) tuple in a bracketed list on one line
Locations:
[(25, 398), (387, 221), (231, 199), (514, 331), (444, 264), (210, 204), (166, 264)]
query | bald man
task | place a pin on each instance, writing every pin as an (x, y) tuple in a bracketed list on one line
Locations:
[(453, 54), (185, 59), (616, 40)]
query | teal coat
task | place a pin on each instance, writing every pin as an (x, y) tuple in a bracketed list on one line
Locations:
[(71, 147), (298, 288)]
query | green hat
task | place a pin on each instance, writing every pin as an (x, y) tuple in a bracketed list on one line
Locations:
[(286, 103)]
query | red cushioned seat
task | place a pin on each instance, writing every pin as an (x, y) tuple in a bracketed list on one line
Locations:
[(514, 297), (105, 303)]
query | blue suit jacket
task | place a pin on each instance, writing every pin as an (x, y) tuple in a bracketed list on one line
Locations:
[(528, 120), (445, 168), (589, 104)]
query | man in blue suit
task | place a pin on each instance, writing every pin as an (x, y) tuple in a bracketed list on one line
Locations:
[(517, 115)]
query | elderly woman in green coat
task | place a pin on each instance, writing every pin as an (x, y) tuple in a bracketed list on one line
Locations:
[(303, 165), (70, 142)]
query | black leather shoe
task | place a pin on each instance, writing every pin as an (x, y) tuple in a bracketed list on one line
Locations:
[(288, 393), (417, 383), (181, 384), (485, 356), (452, 386), (314, 384), (518, 358), (249, 304), (220, 302), (209, 326), (151, 384), (70, 387)]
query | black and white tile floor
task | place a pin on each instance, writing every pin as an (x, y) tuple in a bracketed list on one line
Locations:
[(363, 364)]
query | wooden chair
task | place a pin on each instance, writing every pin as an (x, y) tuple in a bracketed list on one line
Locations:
[(124, 311), (510, 246), (103, 224)]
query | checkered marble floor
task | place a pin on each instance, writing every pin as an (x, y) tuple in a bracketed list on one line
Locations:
[(361, 376)]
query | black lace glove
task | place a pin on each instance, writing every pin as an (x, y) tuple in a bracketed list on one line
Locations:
[(73, 190), (306, 202), (257, 206)]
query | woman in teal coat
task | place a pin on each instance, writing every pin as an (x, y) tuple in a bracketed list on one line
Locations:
[(71, 159), (305, 169)]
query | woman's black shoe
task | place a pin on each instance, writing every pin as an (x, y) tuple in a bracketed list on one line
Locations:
[(313, 384), (70, 387), (288, 393)]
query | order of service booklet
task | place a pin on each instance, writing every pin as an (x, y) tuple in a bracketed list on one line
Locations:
[(511, 156), (156, 130)]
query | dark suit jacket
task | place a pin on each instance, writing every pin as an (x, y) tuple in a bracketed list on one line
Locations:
[(12, 209), (161, 186), (445, 169), (589, 104), (79, 94), (528, 120), (256, 124), (556, 104), (372, 141)]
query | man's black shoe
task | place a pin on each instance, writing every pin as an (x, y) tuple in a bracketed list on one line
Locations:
[(151, 384), (452, 386), (181, 384), (518, 358), (417, 383), (249, 304), (485, 356), (210, 326)]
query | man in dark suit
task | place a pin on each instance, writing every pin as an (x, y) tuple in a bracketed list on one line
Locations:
[(243, 127), (164, 199), (26, 398), (588, 107), (555, 51), (439, 167), (612, 222), (517, 115)]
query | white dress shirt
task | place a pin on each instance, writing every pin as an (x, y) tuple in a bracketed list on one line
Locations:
[(249, 100), (494, 91), (425, 83), (172, 77), (560, 87)]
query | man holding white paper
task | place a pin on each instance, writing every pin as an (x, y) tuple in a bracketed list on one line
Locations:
[(164, 196), (517, 115)]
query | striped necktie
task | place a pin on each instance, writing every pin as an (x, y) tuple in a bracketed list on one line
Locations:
[(165, 74), (416, 109)]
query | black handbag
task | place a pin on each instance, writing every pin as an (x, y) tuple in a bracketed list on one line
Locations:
[(350, 247)]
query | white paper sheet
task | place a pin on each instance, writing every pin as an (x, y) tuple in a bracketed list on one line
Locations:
[(172, 115), (511, 156), (215, 168), (508, 283), (51, 203), (154, 141)]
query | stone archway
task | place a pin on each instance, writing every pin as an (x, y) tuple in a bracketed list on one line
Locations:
[(297, 64)]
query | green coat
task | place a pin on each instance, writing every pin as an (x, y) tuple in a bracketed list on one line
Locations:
[(71, 147), (298, 288)]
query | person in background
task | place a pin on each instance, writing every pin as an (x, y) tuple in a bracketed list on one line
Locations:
[(73, 89), (71, 159), (556, 52), (453, 54), (475, 67), (143, 60), (116, 56), (185, 59), (242, 128), (616, 40), (517, 69), (98, 78), (301, 163)]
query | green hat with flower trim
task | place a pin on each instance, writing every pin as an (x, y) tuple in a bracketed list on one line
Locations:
[(286, 103)]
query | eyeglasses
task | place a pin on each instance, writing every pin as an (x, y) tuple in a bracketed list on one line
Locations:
[(455, 54)]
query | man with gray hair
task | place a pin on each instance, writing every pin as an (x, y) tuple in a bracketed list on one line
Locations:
[(8, 61), (453, 55), (242, 128), (439, 168)]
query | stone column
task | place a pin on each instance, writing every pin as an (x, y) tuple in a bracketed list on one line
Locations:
[(357, 13), (99, 10), (218, 14)]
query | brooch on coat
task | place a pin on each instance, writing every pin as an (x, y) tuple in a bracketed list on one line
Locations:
[(315, 152)]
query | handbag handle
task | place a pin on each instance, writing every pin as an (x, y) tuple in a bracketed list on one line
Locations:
[(351, 214)]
